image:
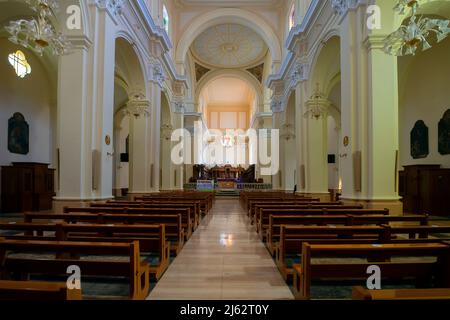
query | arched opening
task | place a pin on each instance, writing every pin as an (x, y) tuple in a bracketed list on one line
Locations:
[(228, 103), (325, 129), (129, 84)]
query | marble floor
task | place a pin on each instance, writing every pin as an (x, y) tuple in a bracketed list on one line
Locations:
[(224, 259)]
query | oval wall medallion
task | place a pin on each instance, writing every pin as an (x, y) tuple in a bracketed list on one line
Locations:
[(108, 140)]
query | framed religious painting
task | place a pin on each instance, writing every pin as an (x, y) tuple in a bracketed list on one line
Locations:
[(18, 134), (444, 134), (419, 141)]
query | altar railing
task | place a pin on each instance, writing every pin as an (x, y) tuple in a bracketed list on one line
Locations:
[(254, 186), (239, 186)]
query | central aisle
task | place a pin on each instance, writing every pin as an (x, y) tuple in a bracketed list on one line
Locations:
[(224, 259)]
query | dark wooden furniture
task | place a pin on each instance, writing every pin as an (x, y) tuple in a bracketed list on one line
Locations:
[(425, 189), (27, 186)]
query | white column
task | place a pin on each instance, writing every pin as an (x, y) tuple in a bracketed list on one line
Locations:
[(278, 179), (74, 127), (155, 102), (178, 170), (316, 154), (103, 102), (300, 137), (369, 113), (140, 155)]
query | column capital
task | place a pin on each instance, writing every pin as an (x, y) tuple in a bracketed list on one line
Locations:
[(375, 41), (80, 42), (342, 7), (113, 7)]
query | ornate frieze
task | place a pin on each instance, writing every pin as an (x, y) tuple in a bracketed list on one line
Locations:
[(342, 6), (114, 7)]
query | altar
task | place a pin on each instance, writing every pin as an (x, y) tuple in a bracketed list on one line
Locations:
[(226, 172), (227, 183)]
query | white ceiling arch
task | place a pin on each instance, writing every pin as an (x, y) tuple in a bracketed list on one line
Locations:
[(226, 16), (230, 73)]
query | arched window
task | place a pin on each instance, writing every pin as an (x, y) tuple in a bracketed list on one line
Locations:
[(166, 19), (292, 17), (20, 64)]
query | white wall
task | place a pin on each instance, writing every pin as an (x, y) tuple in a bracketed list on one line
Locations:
[(31, 97), (424, 95)]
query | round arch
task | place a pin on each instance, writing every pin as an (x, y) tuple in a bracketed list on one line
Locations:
[(326, 62), (234, 73), (228, 15), (130, 62)]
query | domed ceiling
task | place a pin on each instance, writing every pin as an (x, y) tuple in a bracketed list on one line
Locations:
[(229, 46)]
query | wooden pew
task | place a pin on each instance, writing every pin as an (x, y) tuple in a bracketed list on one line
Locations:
[(187, 218), (360, 293), (421, 232), (134, 269), (174, 230), (272, 234), (259, 207), (255, 201), (263, 220), (152, 238), (36, 291), (245, 196), (293, 237), (205, 199), (192, 206), (379, 255), (255, 206)]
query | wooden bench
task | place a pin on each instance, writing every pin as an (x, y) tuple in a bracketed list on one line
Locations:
[(360, 293), (253, 202), (255, 206), (152, 238), (187, 219), (206, 201), (293, 237), (36, 291), (193, 207), (136, 270), (272, 234), (174, 230), (263, 220), (379, 255), (258, 208), (421, 232)]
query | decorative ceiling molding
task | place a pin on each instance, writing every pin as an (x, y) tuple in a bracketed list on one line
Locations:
[(257, 72), (200, 71), (229, 46)]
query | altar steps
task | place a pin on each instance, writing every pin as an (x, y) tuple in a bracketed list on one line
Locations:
[(227, 193)]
